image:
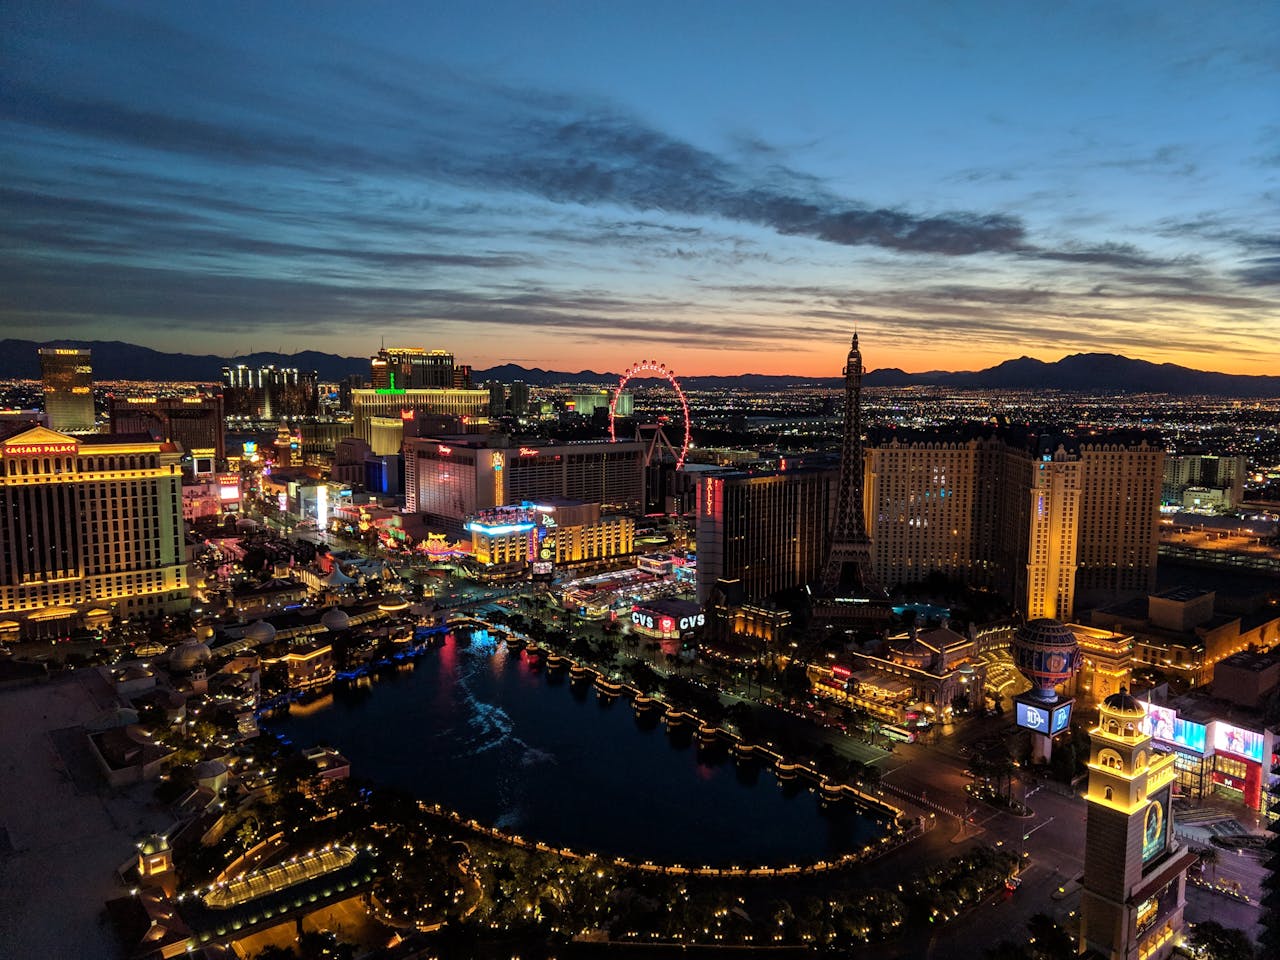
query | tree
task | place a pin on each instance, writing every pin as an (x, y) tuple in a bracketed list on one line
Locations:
[(1051, 941), (1222, 943), (1062, 764), (1209, 857)]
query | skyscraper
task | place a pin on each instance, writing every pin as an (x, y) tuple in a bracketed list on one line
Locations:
[(1052, 540), (197, 423), (412, 368), (68, 389), (765, 530), (394, 403), (1039, 516), (518, 394), (269, 393)]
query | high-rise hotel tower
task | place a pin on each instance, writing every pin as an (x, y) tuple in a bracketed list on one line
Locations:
[(1040, 516), (90, 529), (68, 388)]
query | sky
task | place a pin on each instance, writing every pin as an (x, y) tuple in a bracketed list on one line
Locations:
[(726, 187)]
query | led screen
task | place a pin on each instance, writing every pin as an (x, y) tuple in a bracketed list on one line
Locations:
[(1155, 826), (1164, 724), (1061, 717), (1243, 743), (1033, 718)]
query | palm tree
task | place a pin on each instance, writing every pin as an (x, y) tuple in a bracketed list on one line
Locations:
[(1209, 856)]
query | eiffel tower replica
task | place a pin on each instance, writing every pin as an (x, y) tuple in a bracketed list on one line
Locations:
[(847, 599)]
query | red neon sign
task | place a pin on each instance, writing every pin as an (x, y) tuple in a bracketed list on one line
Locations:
[(527, 452), (842, 672), (443, 450)]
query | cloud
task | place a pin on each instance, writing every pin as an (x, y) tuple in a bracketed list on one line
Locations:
[(598, 156), (369, 191), (1262, 272)]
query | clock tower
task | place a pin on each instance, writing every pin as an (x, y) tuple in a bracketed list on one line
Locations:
[(1135, 872)]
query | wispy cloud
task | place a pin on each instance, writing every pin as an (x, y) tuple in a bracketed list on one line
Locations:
[(371, 190)]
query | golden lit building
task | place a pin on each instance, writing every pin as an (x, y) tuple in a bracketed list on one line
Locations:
[(1040, 518), (469, 405), (90, 527), (1051, 550), (929, 672), (1106, 663), (558, 533), (67, 375), (310, 665), (1135, 871)]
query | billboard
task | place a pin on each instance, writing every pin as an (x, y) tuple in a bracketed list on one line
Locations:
[(1241, 742), (1155, 826), (1033, 718), (1061, 717), (1164, 724)]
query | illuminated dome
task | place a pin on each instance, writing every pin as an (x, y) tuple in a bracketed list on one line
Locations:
[(1047, 653), (156, 843), (208, 769), (1123, 705), (335, 620), (260, 632), (188, 655)]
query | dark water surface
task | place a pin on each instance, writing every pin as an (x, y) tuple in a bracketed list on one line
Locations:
[(476, 729)]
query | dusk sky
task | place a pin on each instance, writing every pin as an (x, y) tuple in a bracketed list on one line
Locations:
[(726, 187)]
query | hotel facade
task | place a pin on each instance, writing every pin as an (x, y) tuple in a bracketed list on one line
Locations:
[(90, 529), (1042, 518), (449, 479)]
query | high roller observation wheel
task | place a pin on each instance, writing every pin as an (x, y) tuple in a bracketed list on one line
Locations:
[(661, 369)]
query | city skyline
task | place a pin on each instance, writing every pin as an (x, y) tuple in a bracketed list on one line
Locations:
[(729, 188)]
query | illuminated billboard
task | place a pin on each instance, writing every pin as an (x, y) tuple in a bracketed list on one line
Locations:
[(1155, 826), (1033, 718), (1061, 717), (1241, 742), (498, 529), (1164, 724)]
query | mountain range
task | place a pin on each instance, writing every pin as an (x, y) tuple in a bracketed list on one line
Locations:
[(1082, 372)]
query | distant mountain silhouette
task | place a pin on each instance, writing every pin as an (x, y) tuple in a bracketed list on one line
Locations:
[(1082, 372), (114, 360), (1089, 373)]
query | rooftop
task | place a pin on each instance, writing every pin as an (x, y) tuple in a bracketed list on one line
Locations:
[(1251, 660), (1182, 594)]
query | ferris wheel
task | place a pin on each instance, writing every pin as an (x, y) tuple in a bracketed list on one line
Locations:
[(661, 369)]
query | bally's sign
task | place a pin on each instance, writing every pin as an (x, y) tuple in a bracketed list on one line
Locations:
[(649, 622)]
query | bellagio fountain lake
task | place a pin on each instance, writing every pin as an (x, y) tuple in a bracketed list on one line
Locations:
[(476, 728)]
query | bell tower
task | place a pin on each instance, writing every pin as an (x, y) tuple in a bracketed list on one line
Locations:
[(1135, 873)]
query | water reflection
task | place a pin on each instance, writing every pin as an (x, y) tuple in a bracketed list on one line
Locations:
[(473, 727)]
